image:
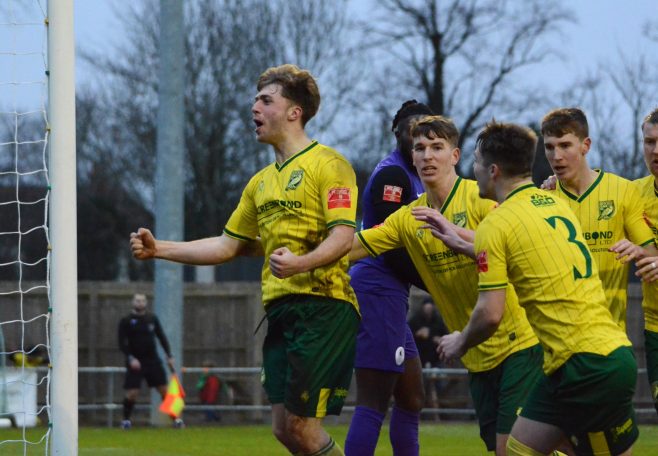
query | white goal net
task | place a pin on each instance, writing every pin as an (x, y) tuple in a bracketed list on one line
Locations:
[(28, 333)]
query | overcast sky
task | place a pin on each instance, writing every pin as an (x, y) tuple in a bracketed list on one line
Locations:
[(603, 27)]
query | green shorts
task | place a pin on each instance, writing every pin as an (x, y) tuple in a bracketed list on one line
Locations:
[(500, 392), (590, 398), (651, 350), (308, 354)]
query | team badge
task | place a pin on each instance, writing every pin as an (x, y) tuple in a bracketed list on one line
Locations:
[(459, 219), (261, 186), (606, 209), (392, 193), (420, 232), (295, 179), (483, 263), (340, 197)]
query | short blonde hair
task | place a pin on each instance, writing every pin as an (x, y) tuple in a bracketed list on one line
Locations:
[(436, 127)]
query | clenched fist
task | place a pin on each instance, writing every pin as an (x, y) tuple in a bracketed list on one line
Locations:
[(142, 244)]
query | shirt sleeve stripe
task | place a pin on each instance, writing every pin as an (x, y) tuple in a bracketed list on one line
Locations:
[(365, 245), (493, 286), (649, 242), (236, 236), (341, 222)]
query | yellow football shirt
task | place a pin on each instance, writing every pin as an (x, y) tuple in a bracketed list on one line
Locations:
[(451, 278), (294, 205), (649, 193), (533, 241), (610, 210)]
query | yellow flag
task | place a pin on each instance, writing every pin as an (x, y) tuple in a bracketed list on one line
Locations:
[(173, 402)]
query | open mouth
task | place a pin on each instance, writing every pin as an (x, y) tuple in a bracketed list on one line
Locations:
[(258, 124)]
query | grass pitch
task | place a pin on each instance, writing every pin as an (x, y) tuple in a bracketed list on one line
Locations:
[(435, 439)]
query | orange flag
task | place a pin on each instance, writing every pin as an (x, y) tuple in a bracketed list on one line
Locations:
[(173, 402)]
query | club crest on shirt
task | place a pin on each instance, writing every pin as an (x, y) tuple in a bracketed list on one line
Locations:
[(482, 261), (340, 197), (392, 193), (606, 209), (420, 232), (261, 186), (459, 219), (295, 179)]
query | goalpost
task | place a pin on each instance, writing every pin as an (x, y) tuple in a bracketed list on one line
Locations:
[(63, 231), (38, 173)]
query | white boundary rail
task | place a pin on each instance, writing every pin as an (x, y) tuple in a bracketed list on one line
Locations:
[(113, 405)]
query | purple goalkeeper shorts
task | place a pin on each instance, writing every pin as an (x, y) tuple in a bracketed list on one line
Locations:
[(384, 340)]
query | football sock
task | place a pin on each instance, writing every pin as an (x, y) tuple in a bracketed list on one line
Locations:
[(128, 407), (403, 432), (330, 449), (364, 432)]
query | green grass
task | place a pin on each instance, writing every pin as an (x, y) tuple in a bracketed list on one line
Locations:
[(441, 438)]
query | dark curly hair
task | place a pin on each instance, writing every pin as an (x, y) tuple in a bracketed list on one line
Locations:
[(410, 108)]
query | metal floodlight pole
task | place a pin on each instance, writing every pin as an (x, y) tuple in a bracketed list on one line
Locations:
[(63, 229), (169, 190)]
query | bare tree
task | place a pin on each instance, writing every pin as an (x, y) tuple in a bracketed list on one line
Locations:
[(228, 44), (650, 31), (633, 80), (616, 98), (466, 58)]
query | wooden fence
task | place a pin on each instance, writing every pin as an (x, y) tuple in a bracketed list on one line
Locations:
[(219, 320)]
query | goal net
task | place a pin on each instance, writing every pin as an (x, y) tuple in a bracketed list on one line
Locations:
[(28, 322)]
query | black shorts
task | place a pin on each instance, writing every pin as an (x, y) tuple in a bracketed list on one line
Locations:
[(153, 373)]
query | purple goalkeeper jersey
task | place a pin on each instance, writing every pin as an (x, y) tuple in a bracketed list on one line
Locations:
[(392, 184)]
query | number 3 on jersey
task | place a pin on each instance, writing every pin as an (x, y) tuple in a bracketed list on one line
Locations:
[(572, 238)]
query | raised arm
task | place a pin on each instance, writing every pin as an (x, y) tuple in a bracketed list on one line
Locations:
[(457, 238), (627, 251), (358, 251), (284, 263), (207, 251)]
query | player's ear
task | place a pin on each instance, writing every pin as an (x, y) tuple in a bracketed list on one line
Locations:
[(587, 143), (494, 170), (456, 155), (294, 113)]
